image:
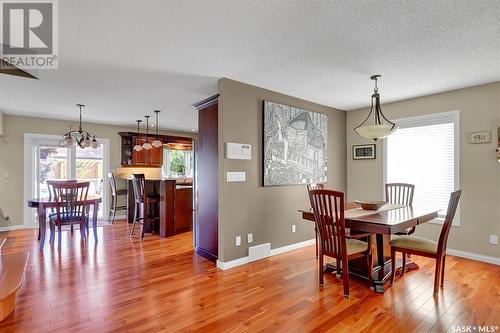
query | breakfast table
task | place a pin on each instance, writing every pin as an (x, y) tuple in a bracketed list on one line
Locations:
[(43, 204), (388, 220)]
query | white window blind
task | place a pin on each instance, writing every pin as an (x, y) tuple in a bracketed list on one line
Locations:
[(423, 152)]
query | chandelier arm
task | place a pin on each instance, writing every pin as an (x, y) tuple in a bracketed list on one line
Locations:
[(378, 111), (367, 117)]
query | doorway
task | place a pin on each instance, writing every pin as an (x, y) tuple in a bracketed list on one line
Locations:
[(45, 159)]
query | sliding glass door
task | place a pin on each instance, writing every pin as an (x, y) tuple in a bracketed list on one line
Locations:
[(47, 160)]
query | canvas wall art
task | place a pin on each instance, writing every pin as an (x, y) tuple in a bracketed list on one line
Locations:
[(294, 145)]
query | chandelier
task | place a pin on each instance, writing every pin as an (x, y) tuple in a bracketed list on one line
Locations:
[(381, 126), (80, 137)]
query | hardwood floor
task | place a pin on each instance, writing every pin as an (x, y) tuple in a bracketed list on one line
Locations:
[(128, 285)]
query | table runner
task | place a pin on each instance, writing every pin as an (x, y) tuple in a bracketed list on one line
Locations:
[(359, 212)]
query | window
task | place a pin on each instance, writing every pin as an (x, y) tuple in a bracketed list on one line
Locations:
[(177, 163), (424, 152)]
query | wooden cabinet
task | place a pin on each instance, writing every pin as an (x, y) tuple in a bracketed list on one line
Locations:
[(156, 155), (147, 158), (207, 179), (140, 157)]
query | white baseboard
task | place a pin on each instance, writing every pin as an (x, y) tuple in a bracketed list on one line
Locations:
[(473, 256), (245, 260), (18, 227)]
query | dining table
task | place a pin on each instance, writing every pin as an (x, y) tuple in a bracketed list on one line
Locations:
[(388, 220), (44, 204)]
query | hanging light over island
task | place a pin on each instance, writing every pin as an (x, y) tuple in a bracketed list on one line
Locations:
[(380, 127), (157, 143), (146, 145), (137, 146)]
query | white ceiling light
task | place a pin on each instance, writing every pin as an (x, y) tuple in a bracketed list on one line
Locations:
[(381, 126)]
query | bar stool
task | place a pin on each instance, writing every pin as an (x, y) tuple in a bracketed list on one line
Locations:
[(115, 193), (143, 201)]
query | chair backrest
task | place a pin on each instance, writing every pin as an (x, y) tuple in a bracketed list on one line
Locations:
[(328, 208), (315, 186), (70, 199), (399, 193), (138, 184), (112, 183), (57, 181), (448, 220)]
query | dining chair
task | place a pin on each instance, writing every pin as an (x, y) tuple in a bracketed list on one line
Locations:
[(315, 186), (143, 201), (49, 187), (328, 208), (401, 194), (427, 248), (115, 193), (70, 207)]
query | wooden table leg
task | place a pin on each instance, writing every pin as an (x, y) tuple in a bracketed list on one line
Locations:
[(42, 215), (94, 219)]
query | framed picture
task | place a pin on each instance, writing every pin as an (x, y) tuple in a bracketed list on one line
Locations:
[(363, 152), (294, 145)]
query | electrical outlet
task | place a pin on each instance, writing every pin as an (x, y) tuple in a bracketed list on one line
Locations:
[(493, 239), (250, 238), (238, 240), (294, 229)]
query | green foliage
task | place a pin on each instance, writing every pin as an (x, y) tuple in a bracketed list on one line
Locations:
[(177, 162), (46, 158)]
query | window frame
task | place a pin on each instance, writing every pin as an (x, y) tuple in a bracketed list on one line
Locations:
[(432, 119)]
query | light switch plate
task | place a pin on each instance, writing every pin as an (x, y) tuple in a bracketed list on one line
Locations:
[(236, 176), (493, 239), (238, 240), (250, 238)]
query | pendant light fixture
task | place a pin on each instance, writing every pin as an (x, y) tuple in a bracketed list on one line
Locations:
[(80, 137), (381, 126), (137, 146), (157, 143), (146, 144)]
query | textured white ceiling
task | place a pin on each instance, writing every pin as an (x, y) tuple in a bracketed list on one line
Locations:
[(124, 59)]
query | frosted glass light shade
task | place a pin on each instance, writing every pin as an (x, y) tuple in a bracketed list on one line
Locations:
[(87, 142), (68, 141), (147, 146), (95, 144), (157, 143), (375, 132), (137, 147)]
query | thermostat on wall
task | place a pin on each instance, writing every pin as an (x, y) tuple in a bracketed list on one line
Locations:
[(238, 151)]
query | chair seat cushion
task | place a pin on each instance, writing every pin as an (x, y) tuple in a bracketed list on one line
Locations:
[(355, 246), (414, 243), (66, 217)]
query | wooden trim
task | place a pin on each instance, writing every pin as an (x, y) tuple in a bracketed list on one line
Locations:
[(206, 102), (206, 254)]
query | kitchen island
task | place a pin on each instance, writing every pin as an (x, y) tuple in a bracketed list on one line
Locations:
[(175, 208)]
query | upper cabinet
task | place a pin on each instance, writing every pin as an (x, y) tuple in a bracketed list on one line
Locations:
[(146, 158)]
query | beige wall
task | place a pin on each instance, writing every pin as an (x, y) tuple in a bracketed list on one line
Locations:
[(479, 170), (12, 155), (247, 207)]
